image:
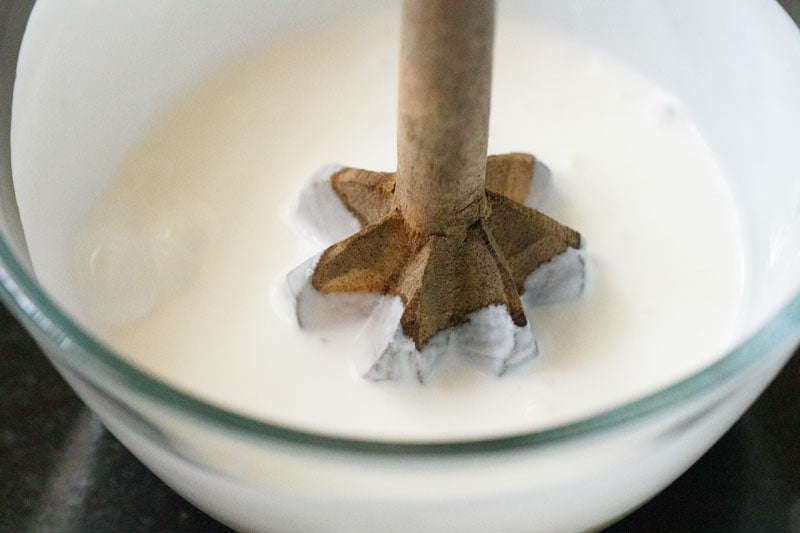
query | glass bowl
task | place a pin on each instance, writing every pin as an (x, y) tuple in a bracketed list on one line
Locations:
[(736, 68)]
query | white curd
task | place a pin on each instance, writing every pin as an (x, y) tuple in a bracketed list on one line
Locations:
[(182, 260)]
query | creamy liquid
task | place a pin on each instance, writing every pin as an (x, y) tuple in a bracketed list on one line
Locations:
[(183, 260)]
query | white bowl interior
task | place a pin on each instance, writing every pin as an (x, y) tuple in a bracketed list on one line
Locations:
[(93, 77)]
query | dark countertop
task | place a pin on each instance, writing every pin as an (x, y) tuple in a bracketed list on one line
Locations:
[(61, 470)]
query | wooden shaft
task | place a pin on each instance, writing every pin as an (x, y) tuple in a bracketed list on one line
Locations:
[(443, 116)]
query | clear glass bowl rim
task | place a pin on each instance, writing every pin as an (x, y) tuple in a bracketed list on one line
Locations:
[(30, 304)]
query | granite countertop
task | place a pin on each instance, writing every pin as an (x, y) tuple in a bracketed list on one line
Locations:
[(61, 470)]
